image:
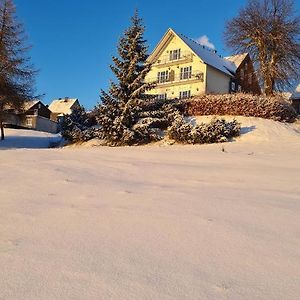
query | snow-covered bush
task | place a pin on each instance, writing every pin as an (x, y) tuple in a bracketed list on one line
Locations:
[(275, 108), (78, 126), (216, 131)]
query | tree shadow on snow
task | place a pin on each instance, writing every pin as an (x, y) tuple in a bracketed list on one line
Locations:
[(29, 142), (245, 130)]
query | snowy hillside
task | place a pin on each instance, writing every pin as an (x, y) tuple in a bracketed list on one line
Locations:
[(21, 138), (154, 222)]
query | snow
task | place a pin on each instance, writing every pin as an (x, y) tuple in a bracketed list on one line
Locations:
[(210, 57), (63, 106), (154, 222), (23, 138)]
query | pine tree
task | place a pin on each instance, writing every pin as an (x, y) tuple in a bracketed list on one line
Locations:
[(119, 113), (16, 73), (78, 126)]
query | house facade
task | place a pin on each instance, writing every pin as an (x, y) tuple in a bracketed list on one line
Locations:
[(245, 75), (33, 115), (182, 68), (61, 107), (295, 100)]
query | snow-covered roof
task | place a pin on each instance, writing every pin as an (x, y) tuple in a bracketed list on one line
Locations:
[(28, 104), (62, 106), (237, 59), (210, 57), (296, 93)]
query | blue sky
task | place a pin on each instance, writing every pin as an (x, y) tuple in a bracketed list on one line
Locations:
[(73, 40)]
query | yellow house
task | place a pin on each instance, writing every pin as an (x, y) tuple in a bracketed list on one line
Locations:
[(182, 68)]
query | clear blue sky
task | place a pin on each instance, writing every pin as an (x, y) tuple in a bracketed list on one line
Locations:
[(73, 40)]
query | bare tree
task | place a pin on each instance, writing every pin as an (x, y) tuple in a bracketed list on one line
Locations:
[(16, 73), (269, 31)]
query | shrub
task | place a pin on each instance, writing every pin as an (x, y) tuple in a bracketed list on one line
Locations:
[(216, 131), (78, 126), (275, 108)]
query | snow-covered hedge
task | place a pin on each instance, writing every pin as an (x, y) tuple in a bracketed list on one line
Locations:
[(216, 131), (275, 108)]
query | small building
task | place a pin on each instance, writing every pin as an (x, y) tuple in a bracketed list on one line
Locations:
[(61, 107), (245, 75), (33, 115), (182, 68), (295, 100)]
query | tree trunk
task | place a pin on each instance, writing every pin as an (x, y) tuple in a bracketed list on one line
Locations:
[(2, 130)]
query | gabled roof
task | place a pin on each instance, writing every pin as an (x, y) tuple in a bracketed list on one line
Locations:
[(209, 57), (29, 104), (237, 59), (63, 106)]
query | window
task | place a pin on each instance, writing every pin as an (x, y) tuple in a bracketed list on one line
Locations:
[(185, 94), (185, 73), (161, 97), (250, 79), (175, 54), (163, 76), (242, 74), (239, 88), (246, 67), (29, 122), (233, 86)]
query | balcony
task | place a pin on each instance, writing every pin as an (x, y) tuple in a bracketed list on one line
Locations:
[(165, 59), (178, 79)]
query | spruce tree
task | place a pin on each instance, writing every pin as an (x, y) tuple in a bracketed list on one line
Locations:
[(16, 73), (119, 113)]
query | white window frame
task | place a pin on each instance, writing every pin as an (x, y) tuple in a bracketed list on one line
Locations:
[(186, 73), (233, 86), (163, 76), (29, 122), (161, 96), (175, 54), (185, 94)]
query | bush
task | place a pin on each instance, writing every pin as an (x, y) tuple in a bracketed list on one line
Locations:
[(275, 108), (78, 126), (216, 131)]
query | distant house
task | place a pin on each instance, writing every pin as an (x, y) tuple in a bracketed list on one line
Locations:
[(295, 99), (61, 107), (182, 68), (245, 76), (33, 115)]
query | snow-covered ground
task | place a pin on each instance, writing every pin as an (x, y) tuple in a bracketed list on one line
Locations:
[(154, 222), (30, 139)]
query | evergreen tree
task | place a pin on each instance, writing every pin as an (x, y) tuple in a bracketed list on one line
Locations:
[(78, 126), (119, 113), (16, 74)]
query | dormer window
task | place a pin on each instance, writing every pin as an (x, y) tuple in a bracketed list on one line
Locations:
[(175, 54)]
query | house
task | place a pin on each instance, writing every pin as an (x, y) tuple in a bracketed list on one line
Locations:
[(245, 75), (62, 106), (182, 68), (33, 115), (295, 99)]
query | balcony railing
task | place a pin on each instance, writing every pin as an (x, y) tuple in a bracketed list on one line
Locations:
[(199, 76), (165, 59)]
